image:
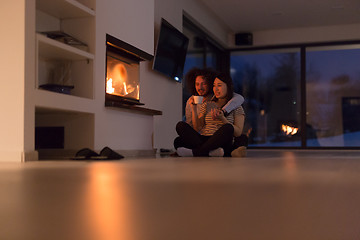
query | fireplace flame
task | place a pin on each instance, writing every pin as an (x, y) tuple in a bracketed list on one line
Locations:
[(122, 79), (109, 87), (125, 89), (288, 130)]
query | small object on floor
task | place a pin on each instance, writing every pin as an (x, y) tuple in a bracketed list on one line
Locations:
[(165, 152), (219, 152), (85, 154), (174, 154), (239, 152), (107, 154), (184, 152)]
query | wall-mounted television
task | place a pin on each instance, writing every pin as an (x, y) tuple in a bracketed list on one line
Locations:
[(170, 51)]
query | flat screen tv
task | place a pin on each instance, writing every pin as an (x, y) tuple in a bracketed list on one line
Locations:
[(170, 51)]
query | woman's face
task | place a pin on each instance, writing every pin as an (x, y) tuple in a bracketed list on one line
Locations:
[(220, 89), (201, 86)]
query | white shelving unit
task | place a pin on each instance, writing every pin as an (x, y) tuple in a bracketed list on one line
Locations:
[(77, 20), (53, 100), (52, 49), (73, 111), (65, 9)]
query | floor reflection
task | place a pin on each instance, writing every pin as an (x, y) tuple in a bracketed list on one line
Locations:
[(290, 165), (108, 203)]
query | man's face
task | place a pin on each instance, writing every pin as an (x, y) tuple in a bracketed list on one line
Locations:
[(201, 86)]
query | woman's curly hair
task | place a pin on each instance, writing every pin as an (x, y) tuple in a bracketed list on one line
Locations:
[(190, 77)]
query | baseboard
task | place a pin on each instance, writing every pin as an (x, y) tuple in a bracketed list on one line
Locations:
[(67, 154), (138, 153), (18, 156), (30, 156)]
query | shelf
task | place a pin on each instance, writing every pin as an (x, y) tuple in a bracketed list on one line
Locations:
[(56, 60), (59, 101), (64, 9), (142, 110), (52, 49)]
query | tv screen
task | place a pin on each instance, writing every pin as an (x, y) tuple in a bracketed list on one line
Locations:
[(170, 51)]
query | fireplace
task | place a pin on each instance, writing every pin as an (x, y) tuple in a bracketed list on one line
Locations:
[(122, 81)]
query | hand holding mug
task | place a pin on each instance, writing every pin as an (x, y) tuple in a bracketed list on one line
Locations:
[(198, 99)]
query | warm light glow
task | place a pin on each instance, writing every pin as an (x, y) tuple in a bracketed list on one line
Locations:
[(109, 87), (119, 82), (290, 166), (125, 90), (109, 214), (288, 130)]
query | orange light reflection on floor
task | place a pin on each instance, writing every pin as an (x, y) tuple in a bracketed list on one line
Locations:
[(290, 165), (109, 213)]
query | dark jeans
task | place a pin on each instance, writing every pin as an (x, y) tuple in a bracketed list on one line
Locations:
[(242, 140), (202, 145)]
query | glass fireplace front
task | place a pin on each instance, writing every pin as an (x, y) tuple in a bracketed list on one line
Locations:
[(122, 82), (122, 77)]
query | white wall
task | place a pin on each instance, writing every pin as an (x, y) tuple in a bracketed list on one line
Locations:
[(29, 81), (304, 35), (163, 93), (12, 72), (137, 22), (131, 21)]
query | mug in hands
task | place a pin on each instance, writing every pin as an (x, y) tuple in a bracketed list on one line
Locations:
[(198, 99)]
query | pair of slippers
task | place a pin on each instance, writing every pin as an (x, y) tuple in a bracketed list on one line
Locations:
[(105, 154)]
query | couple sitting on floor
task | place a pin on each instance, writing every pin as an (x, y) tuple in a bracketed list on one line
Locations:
[(214, 127)]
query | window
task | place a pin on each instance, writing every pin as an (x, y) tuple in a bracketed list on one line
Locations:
[(270, 83), (304, 96), (203, 51), (333, 96)]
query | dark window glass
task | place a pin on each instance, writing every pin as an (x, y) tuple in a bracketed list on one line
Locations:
[(270, 84), (212, 54), (333, 96)]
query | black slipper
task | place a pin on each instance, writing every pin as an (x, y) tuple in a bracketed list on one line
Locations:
[(108, 154), (85, 154)]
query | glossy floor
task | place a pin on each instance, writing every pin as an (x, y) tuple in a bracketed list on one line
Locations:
[(267, 195)]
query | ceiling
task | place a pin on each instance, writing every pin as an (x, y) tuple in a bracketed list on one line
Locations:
[(257, 15)]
